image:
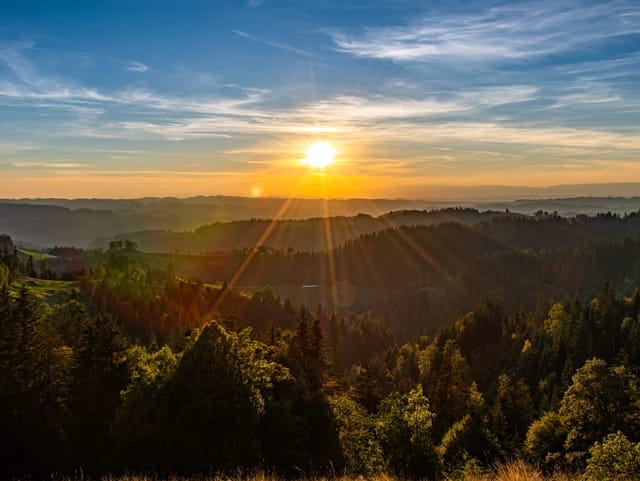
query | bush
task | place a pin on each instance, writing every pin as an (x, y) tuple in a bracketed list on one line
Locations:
[(616, 458), (545, 439), (404, 428), (602, 399), (362, 451)]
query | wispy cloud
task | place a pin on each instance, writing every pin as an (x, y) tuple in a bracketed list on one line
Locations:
[(30, 88), (333, 116), (520, 134), (12, 55), (134, 66), (12, 148), (28, 83), (621, 69), (269, 43), (511, 31), (255, 3), (377, 108), (387, 121), (53, 165), (593, 94)]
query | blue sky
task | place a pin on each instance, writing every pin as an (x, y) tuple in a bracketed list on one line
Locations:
[(130, 98)]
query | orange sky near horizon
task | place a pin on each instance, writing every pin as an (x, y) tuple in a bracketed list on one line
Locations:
[(293, 182), (413, 97)]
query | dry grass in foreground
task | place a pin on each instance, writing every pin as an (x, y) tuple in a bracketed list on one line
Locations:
[(517, 471)]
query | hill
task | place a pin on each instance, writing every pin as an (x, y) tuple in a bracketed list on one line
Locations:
[(422, 277), (78, 222), (316, 234)]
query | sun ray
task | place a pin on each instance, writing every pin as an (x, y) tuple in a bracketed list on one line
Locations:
[(417, 249), (252, 253), (328, 233)]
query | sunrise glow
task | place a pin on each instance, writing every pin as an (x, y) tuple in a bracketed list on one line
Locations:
[(319, 155), (376, 93)]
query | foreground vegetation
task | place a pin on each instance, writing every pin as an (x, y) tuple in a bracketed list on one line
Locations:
[(137, 370), (516, 471)]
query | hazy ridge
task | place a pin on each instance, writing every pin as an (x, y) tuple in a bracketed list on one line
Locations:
[(79, 222)]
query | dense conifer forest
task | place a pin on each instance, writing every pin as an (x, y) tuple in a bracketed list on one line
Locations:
[(512, 343)]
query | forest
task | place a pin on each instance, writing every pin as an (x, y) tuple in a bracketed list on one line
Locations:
[(465, 348)]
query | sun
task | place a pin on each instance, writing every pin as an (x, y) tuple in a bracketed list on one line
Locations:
[(319, 155)]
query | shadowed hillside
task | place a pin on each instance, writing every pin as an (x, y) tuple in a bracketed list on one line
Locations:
[(79, 222), (317, 234)]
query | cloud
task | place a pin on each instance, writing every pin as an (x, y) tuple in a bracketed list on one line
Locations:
[(30, 88), (13, 148), (133, 66), (509, 31), (401, 121), (174, 130), (371, 119), (386, 122), (513, 134), (619, 70), (12, 55), (335, 115), (595, 95), (255, 3), (347, 109), (54, 165), (269, 43), (28, 83)]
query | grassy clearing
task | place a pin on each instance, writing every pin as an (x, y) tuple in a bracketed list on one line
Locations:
[(311, 294), (47, 291), (36, 255)]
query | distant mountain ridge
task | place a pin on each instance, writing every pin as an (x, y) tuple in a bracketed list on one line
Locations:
[(79, 222)]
